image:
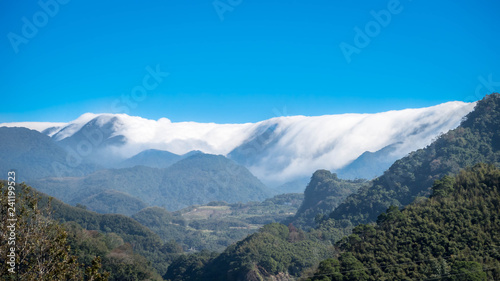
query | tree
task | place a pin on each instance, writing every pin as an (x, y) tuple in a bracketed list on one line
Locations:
[(353, 269), (467, 271), (40, 247)]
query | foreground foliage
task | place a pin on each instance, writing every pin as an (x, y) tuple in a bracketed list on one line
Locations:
[(87, 242), (40, 246), (454, 235), (128, 248)]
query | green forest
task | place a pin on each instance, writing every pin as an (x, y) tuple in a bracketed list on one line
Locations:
[(453, 235)]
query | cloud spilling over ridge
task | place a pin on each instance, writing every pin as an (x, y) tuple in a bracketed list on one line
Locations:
[(304, 144), (280, 149)]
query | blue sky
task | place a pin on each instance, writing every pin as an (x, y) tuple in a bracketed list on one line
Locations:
[(240, 60)]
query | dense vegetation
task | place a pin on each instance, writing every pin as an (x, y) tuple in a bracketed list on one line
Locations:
[(454, 235), (131, 251), (35, 247), (476, 140), (216, 225), (323, 194), (113, 202), (126, 247), (274, 250)]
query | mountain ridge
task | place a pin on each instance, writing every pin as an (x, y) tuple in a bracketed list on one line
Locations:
[(277, 150), (195, 180), (474, 141)]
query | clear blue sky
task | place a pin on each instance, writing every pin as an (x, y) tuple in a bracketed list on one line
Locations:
[(259, 58)]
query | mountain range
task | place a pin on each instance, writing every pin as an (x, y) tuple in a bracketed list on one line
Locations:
[(197, 179), (453, 235), (436, 232), (277, 151)]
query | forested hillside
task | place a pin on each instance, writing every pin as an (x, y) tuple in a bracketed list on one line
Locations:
[(454, 235), (323, 194), (137, 238), (476, 140), (274, 250), (125, 248)]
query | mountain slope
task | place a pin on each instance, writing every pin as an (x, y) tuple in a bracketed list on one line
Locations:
[(151, 158), (275, 252), (203, 178), (196, 180), (138, 183), (475, 140), (370, 164), (113, 202), (117, 239), (324, 192), (35, 155), (94, 139), (454, 235)]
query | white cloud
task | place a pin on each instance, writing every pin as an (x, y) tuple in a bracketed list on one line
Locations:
[(331, 142)]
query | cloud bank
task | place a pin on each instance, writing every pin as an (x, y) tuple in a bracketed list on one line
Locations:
[(280, 149)]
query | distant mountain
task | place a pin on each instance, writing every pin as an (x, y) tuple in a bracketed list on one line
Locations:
[(277, 151), (295, 186), (35, 155), (154, 158), (113, 202), (202, 178), (135, 182), (370, 164), (288, 148), (198, 179), (93, 140), (151, 158), (476, 140)]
